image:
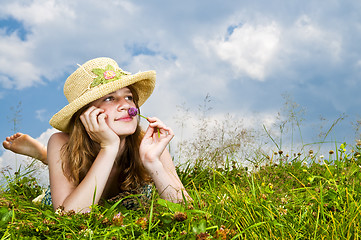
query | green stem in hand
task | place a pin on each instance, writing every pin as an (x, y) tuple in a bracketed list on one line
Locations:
[(134, 111)]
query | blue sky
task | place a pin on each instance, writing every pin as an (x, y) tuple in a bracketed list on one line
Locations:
[(245, 54)]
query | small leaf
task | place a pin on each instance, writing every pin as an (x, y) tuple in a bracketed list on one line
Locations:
[(5, 216), (201, 228), (166, 218), (173, 207)]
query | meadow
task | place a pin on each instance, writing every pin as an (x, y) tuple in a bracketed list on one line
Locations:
[(298, 197), (278, 194)]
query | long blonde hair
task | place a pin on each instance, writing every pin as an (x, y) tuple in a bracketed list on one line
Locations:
[(79, 153)]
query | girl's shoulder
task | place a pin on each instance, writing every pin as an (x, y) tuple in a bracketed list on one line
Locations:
[(59, 138)]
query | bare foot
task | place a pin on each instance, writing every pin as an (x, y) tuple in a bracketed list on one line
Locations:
[(26, 145)]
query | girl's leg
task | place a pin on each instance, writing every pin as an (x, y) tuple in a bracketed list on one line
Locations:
[(26, 145)]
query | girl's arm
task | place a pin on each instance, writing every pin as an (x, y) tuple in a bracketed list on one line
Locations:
[(80, 198), (158, 162)]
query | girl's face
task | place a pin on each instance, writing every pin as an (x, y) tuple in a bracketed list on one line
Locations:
[(116, 105)]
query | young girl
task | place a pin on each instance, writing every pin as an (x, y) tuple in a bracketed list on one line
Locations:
[(101, 150)]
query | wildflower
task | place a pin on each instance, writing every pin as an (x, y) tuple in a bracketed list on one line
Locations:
[(70, 213), (304, 163), (310, 152), (358, 142), (264, 196), (270, 185), (118, 219), (322, 156), (280, 152), (283, 211), (86, 232), (48, 222), (331, 152), (132, 112), (180, 216), (60, 211), (142, 222), (222, 232), (202, 236)]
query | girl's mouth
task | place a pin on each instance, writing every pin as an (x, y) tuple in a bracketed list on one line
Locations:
[(124, 119)]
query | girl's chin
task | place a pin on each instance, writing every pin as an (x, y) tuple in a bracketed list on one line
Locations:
[(124, 133)]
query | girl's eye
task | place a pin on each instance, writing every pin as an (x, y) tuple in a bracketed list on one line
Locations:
[(129, 98), (108, 99)]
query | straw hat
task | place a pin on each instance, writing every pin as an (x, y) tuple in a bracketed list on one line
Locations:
[(95, 79)]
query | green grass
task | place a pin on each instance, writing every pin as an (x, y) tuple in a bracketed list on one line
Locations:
[(303, 197)]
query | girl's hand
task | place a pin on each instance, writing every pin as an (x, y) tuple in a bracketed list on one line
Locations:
[(94, 122), (155, 140)]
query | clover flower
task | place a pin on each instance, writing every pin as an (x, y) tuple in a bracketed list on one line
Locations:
[(180, 216), (118, 219), (134, 112)]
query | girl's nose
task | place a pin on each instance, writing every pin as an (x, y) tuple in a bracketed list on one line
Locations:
[(123, 105)]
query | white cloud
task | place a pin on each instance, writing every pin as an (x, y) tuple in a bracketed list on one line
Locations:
[(249, 49), (39, 11), (16, 67), (305, 41), (60, 33), (40, 115)]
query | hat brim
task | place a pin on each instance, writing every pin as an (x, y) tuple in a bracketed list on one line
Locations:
[(143, 83)]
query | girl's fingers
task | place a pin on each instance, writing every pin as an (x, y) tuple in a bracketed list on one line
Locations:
[(93, 116), (90, 118), (101, 120), (156, 123), (157, 129)]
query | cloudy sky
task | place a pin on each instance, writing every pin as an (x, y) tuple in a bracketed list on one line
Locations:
[(246, 55)]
